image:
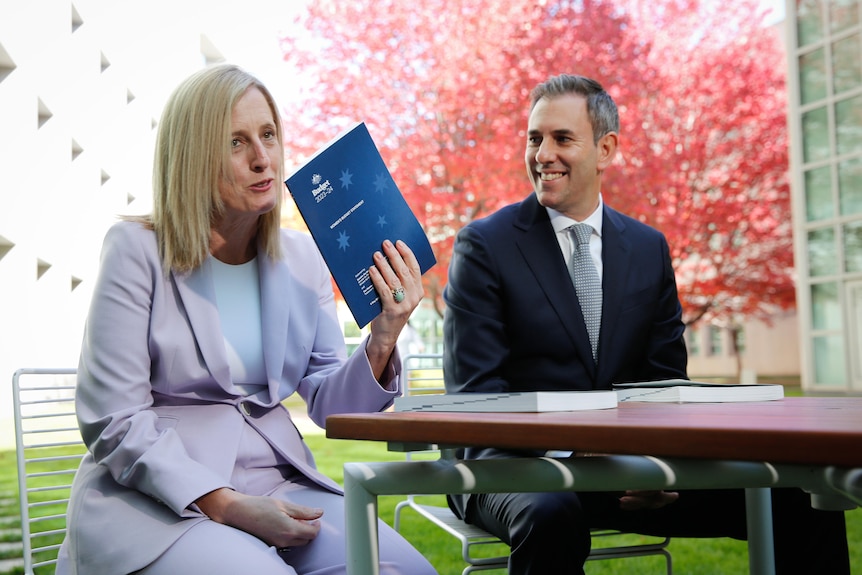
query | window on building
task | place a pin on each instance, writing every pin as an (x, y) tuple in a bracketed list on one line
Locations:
[(715, 343), (822, 252), (739, 337), (843, 15), (692, 340), (818, 194), (825, 307), (853, 247), (812, 76), (850, 186), (826, 110), (846, 71), (848, 125), (815, 134)]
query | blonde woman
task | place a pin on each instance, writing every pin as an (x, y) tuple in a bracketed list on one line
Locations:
[(205, 316)]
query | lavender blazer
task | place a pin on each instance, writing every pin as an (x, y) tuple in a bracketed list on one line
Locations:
[(156, 405)]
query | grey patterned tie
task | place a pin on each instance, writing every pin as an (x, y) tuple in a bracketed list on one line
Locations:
[(587, 283)]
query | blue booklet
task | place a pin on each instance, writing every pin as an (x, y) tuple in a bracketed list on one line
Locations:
[(351, 204)]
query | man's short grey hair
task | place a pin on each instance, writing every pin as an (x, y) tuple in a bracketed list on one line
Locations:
[(601, 108)]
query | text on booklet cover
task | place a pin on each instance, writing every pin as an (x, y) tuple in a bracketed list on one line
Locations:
[(351, 204)]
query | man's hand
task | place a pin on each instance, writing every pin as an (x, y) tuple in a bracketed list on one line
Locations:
[(275, 522), (634, 500)]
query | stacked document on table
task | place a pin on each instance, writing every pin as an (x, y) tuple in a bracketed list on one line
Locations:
[(525, 401), (685, 391)]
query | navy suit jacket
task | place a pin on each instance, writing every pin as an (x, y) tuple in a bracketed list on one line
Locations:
[(513, 322)]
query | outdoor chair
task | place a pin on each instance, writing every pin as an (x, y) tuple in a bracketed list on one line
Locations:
[(49, 449), (423, 374)]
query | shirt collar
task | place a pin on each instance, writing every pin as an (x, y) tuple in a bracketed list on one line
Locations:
[(561, 222)]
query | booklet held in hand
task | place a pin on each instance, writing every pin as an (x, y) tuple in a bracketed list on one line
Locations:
[(351, 204)]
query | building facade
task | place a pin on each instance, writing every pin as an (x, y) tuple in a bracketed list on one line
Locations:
[(756, 351), (82, 86), (824, 47)]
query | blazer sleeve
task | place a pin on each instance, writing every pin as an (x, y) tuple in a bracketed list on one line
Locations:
[(114, 394), (474, 323), (329, 381), (666, 356)]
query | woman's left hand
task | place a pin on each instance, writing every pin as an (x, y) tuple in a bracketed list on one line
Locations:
[(398, 282)]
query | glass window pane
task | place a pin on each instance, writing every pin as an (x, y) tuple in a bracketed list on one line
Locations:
[(815, 135), (843, 14), (818, 194), (812, 76), (847, 64), (848, 122), (850, 186), (829, 361), (809, 22), (715, 343), (825, 310), (853, 247), (822, 258), (854, 319), (693, 339)]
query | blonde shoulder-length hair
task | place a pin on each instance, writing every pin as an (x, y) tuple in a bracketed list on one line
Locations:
[(192, 154)]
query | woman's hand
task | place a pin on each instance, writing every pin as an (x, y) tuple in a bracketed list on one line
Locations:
[(398, 282), (273, 521)]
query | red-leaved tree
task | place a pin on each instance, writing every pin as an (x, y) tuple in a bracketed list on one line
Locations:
[(717, 132), (443, 86)]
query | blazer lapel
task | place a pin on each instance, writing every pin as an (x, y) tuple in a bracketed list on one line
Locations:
[(275, 285), (616, 262), (542, 254), (197, 292)]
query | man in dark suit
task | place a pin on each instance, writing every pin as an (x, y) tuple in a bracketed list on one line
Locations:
[(522, 315)]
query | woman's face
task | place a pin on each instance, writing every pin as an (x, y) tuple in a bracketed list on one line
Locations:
[(256, 155)]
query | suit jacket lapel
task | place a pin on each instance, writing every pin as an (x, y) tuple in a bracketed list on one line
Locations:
[(616, 262), (275, 285), (197, 293), (542, 253)]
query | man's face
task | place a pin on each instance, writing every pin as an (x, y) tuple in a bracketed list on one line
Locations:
[(562, 161)]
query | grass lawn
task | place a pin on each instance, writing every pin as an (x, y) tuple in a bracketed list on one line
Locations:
[(690, 556)]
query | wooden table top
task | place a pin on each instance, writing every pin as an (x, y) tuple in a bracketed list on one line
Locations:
[(797, 430)]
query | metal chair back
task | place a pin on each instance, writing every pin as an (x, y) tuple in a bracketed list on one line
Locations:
[(49, 449)]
